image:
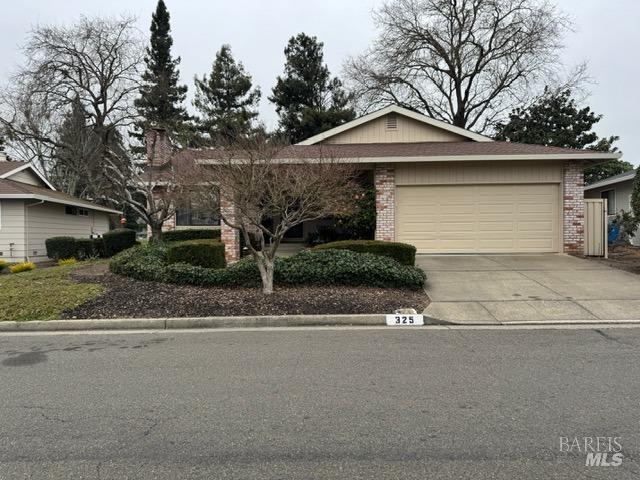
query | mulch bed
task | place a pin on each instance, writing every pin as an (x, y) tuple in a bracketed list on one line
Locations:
[(128, 298), (624, 257)]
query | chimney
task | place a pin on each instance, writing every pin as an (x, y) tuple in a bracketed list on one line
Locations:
[(158, 146), (3, 157)]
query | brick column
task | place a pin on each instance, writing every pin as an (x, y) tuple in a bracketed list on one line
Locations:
[(385, 183), (573, 208), (229, 236)]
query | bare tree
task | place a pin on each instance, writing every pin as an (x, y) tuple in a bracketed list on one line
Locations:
[(94, 63), (154, 194), (467, 62), (272, 191)]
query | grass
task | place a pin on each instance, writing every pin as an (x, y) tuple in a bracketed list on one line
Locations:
[(43, 294)]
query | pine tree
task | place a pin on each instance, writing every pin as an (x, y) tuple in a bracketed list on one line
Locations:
[(226, 100), (161, 97), (556, 120), (308, 101)]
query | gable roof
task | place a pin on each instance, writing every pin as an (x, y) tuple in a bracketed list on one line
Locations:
[(476, 137), (10, 189), (8, 169), (621, 177)]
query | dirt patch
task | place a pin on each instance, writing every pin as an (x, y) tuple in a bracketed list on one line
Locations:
[(129, 298), (624, 257)]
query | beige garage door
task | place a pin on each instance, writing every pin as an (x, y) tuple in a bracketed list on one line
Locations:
[(479, 218)]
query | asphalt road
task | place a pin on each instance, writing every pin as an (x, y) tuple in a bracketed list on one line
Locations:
[(317, 404)]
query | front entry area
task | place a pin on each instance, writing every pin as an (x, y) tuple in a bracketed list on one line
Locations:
[(482, 218)]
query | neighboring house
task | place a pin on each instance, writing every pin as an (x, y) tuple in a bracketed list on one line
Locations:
[(445, 189), (617, 190), (31, 210)]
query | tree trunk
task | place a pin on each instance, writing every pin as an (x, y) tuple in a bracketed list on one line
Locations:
[(266, 267), (156, 233)]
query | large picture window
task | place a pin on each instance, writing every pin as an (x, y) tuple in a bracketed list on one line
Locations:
[(196, 214)]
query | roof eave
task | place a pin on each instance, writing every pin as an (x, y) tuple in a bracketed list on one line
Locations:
[(45, 198)]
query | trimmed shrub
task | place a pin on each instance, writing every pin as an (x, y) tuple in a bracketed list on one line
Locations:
[(67, 261), (325, 267), (191, 234), (401, 252), (118, 240), (87, 248), (60, 247), (22, 267), (200, 253), (3, 264)]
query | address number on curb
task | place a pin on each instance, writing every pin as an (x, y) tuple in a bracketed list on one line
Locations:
[(404, 320)]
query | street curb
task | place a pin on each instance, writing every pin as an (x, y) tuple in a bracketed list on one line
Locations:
[(192, 323)]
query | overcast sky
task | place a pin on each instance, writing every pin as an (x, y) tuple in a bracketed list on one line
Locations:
[(606, 37)]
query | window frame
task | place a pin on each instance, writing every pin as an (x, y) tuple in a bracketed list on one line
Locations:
[(611, 203)]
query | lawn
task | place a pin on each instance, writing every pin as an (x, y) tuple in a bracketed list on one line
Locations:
[(43, 294)]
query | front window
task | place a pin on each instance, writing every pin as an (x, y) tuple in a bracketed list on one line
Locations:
[(196, 214), (610, 195)]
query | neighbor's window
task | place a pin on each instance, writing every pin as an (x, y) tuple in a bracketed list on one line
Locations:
[(193, 214), (610, 195), (70, 210)]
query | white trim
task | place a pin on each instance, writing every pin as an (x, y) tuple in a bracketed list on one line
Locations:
[(10, 173), (46, 198), (441, 158), (611, 181), (401, 111)]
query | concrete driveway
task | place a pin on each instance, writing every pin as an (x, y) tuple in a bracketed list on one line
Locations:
[(527, 288)]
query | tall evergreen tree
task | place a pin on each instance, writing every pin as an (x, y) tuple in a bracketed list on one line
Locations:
[(556, 120), (161, 96), (226, 100), (308, 100)]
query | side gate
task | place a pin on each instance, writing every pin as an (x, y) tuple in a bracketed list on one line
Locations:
[(595, 227)]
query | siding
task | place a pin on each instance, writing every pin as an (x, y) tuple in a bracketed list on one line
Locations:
[(27, 176), (49, 220), (12, 230), (622, 194), (474, 173), (408, 130)]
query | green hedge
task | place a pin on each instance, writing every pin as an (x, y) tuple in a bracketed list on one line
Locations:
[(60, 247), (118, 240), (201, 253), (401, 252), (325, 267), (191, 234)]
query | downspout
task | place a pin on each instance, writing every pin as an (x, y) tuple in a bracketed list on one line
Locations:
[(26, 227)]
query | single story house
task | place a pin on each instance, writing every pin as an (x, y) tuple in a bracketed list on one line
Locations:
[(445, 189), (31, 210), (617, 190)]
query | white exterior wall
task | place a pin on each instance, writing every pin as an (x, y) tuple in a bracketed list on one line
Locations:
[(12, 230), (49, 220)]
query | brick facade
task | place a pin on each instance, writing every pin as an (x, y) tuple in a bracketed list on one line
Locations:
[(573, 208), (385, 180), (229, 236)]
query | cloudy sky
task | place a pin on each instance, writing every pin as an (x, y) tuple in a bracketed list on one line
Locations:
[(606, 36)]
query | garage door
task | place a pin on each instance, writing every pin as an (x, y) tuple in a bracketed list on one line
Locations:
[(479, 218)]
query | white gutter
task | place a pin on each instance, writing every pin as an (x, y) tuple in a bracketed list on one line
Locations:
[(45, 198), (611, 181), (437, 158)]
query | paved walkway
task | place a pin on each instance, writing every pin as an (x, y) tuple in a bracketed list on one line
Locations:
[(527, 288)]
